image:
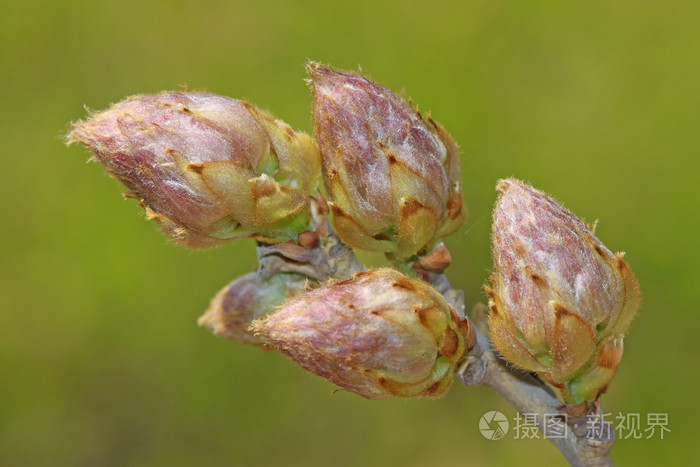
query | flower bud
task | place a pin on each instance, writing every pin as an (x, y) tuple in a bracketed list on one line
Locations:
[(393, 178), (379, 334), (246, 299), (561, 302), (207, 168)]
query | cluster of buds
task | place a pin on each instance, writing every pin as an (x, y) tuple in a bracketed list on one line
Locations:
[(393, 178), (561, 302), (207, 168), (210, 169), (379, 334)]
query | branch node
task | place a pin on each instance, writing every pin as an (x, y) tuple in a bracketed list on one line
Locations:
[(472, 371)]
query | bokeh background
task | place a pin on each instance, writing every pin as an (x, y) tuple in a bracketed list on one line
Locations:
[(101, 362)]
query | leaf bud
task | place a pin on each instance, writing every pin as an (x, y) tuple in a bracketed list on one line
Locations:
[(393, 178), (246, 299), (207, 168), (561, 302), (379, 334)]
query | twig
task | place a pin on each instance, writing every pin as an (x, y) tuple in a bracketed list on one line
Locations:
[(329, 259), (588, 439)]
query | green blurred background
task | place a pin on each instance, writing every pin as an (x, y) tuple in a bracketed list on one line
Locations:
[(101, 361)]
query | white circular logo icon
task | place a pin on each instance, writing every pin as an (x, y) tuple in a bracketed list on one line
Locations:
[(493, 425)]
